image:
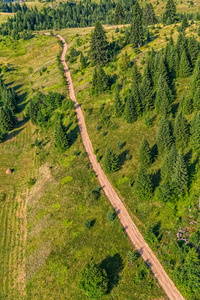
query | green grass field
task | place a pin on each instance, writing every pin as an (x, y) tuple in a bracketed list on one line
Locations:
[(44, 243)]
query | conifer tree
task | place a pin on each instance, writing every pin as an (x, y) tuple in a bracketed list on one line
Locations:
[(184, 68), (161, 72), (7, 119), (83, 61), (145, 158), (119, 14), (130, 110), (61, 138), (99, 81), (149, 16), (193, 48), (99, 48), (195, 133), (184, 23), (167, 168), (164, 137), (196, 99), (143, 185), (186, 104), (146, 91), (195, 79), (111, 161), (136, 75), (181, 132), (1, 136), (118, 105), (163, 97), (136, 99), (180, 176), (9, 101), (137, 35), (170, 12)]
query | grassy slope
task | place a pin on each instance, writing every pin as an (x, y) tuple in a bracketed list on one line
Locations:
[(58, 245), (166, 215)]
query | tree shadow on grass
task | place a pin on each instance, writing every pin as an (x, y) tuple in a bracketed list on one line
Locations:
[(113, 266), (122, 157), (156, 178), (73, 135), (12, 134)]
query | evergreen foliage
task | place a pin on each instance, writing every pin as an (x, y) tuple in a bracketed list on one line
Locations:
[(195, 133), (136, 75), (83, 61), (196, 100), (167, 168), (184, 68), (164, 137), (100, 83), (137, 35), (93, 281), (61, 138), (131, 257), (169, 15), (99, 48), (195, 79), (7, 119), (181, 131), (135, 93), (143, 185), (111, 161), (180, 176), (119, 14), (145, 158), (149, 16), (130, 113)]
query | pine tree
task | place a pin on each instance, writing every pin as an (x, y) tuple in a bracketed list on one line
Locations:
[(184, 23), (149, 16), (130, 110), (184, 68), (193, 48), (136, 99), (111, 161), (145, 158), (143, 185), (195, 133), (94, 82), (99, 81), (163, 98), (136, 75), (61, 138), (119, 14), (196, 99), (137, 35), (83, 61), (118, 105), (9, 101), (170, 12), (195, 79), (7, 119), (181, 132), (186, 104), (164, 137), (167, 168), (99, 48), (146, 91), (180, 176)]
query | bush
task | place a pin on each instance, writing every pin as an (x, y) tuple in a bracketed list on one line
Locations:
[(131, 257), (93, 281), (111, 215), (88, 224)]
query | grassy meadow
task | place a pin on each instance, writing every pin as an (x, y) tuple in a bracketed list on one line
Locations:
[(45, 201)]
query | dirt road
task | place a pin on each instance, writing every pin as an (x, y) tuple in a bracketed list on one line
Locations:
[(124, 217)]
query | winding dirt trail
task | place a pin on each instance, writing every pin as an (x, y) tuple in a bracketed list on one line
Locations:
[(124, 217)]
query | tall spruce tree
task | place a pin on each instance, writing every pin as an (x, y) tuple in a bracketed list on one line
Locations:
[(145, 158), (130, 113), (118, 105), (10, 102), (146, 91), (100, 82), (137, 35), (184, 68), (136, 98), (111, 161), (83, 61), (196, 99), (195, 133), (119, 14), (193, 48), (7, 119), (181, 131), (61, 138), (167, 168), (143, 185), (186, 104), (99, 48), (164, 137), (136, 75), (195, 79), (164, 97), (180, 176), (169, 15)]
